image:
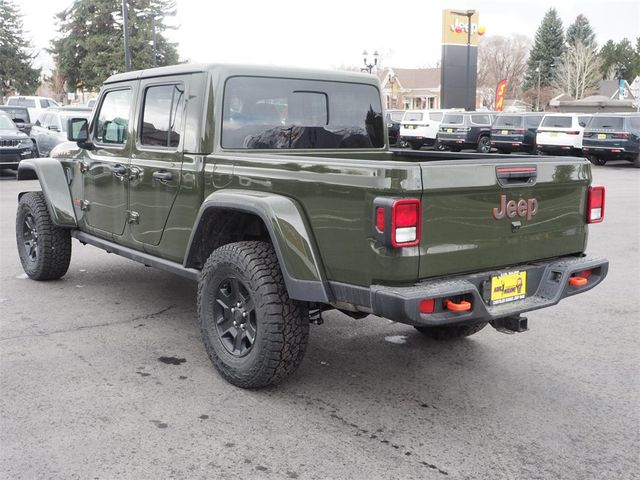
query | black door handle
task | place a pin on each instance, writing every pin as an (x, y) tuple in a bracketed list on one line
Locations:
[(118, 170), (162, 177)]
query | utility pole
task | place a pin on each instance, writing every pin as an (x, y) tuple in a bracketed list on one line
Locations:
[(125, 26)]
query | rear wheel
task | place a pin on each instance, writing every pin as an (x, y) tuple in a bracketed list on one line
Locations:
[(254, 333), (484, 145), (636, 160), (43, 247), (455, 149), (597, 160), (504, 151), (451, 332), (415, 145)]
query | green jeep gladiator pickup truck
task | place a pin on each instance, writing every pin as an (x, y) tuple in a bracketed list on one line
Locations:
[(276, 191)]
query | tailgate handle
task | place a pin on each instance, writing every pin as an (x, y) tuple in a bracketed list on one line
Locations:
[(512, 176)]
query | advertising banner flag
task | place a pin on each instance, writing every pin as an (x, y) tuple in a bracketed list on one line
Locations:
[(501, 90)]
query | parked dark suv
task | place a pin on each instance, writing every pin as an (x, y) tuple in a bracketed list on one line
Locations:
[(612, 136), (14, 145), (393, 119), (460, 130), (515, 132)]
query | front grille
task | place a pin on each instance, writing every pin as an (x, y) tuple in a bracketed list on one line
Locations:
[(9, 143)]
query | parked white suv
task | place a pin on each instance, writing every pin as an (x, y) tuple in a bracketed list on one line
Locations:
[(561, 133), (420, 127), (35, 105)]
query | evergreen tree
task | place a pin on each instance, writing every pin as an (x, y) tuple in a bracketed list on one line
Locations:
[(581, 31), (16, 61), (548, 46), (620, 60), (91, 43)]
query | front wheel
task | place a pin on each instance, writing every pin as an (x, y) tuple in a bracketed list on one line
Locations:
[(254, 333), (451, 332), (484, 145), (43, 247)]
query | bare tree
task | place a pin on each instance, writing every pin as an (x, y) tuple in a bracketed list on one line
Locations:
[(502, 58), (578, 71)]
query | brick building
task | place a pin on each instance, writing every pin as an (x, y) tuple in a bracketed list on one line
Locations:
[(410, 88)]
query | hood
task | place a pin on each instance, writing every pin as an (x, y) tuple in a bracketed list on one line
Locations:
[(10, 134)]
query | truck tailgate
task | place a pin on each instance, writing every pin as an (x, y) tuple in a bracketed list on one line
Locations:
[(486, 214)]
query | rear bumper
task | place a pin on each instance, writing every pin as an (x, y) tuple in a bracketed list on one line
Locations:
[(547, 284)]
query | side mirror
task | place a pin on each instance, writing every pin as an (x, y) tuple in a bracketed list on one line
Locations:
[(78, 130)]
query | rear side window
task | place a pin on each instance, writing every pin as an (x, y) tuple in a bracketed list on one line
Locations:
[(412, 117), (583, 121), (481, 119), (509, 121), (436, 116), (453, 118), (162, 116), (606, 122), (44, 103), (558, 122), (284, 113), (397, 116), (113, 118), (635, 122)]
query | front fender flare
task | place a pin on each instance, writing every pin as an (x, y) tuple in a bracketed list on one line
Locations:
[(55, 188), (285, 221)]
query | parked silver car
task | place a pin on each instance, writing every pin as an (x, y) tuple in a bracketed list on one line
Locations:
[(51, 127)]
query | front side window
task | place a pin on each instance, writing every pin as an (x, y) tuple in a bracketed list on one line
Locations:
[(283, 113), (162, 116), (113, 119)]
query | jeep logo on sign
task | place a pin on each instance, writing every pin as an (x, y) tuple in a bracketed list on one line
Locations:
[(523, 208)]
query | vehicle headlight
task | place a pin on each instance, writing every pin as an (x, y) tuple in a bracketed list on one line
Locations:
[(25, 143)]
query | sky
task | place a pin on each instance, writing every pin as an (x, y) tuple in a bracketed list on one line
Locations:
[(334, 33)]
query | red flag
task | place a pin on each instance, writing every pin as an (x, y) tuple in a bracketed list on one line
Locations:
[(500, 92)]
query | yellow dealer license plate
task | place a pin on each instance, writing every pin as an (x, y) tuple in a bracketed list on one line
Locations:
[(508, 287), (449, 130), (602, 136), (554, 134), (505, 132)]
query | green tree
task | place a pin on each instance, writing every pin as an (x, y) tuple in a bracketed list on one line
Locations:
[(620, 59), (16, 59), (90, 47), (580, 31), (547, 47)]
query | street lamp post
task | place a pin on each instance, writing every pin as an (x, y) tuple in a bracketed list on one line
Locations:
[(469, 105), (538, 70), (368, 67), (125, 26)]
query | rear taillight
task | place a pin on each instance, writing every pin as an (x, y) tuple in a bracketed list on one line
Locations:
[(405, 222), (427, 305), (620, 135), (397, 221), (595, 205), (587, 134), (518, 130), (572, 133)]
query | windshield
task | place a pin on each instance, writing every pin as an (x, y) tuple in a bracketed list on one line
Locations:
[(508, 121), (287, 113), (22, 102), (6, 123), (412, 117), (453, 118), (606, 122), (17, 114), (560, 122)]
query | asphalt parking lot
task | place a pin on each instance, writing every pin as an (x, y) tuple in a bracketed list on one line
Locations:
[(103, 375)]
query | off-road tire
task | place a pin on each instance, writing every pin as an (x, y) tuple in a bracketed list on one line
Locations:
[(484, 144), (636, 161), (281, 324), (451, 333), (49, 258)]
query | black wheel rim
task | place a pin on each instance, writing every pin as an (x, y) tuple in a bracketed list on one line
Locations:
[(235, 317), (485, 146), (30, 237)]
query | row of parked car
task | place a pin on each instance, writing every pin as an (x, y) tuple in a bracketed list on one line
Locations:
[(600, 137), (32, 126)]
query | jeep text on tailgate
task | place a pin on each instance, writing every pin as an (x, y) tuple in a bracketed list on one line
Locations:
[(276, 191)]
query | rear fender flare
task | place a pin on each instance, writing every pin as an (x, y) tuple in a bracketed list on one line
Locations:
[(55, 187), (289, 232)]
